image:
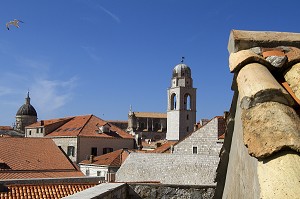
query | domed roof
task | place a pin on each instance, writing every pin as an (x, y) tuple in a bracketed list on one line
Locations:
[(27, 108), (182, 70)]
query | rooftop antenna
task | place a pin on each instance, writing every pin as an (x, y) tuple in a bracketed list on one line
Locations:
[(182, 58)]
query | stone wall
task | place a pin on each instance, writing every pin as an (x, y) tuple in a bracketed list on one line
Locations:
[(169, 169), (205, 139), (241, 164), (103, 191), (151, 191)]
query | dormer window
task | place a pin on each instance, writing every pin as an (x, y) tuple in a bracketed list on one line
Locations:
[(104, 129)]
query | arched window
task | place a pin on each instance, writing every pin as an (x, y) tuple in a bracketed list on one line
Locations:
[(187, 102), (173, 101)]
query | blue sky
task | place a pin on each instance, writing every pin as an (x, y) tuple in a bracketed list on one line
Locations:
[(99, 57)]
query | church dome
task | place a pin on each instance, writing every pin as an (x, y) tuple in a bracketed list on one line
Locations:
[(182, 70), (27, 108)]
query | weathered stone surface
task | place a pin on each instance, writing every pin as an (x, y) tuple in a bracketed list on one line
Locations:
[(292, 76), (270, 127), (242, 40), (152, 191), (241, 58), (279, 176), (256, 85)]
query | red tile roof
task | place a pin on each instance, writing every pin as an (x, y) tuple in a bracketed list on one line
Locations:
[(6, 128), (86, 125), (49, 122), (164, 148), (34, 158), (115, 158), (42, 191)]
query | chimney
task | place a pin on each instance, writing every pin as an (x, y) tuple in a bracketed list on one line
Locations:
[(42, 122), (91, 159), (226, 114)]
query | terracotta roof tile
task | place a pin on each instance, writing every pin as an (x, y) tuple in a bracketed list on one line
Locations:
[(271, 121), (88, 125), (34, 158), (164, 148), (42, 191), (115, 158)]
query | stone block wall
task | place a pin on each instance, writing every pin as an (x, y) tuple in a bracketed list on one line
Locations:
[(205, 139), (169, 169)]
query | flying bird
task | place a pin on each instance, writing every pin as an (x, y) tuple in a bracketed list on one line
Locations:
[(14, 22)]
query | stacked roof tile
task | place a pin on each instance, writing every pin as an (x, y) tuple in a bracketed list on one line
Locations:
[(267, 77)]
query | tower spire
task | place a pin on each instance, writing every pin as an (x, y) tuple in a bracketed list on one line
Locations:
[(27, 98)]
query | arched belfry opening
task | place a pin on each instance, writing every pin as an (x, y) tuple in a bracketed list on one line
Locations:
[(181, 115), (187, 102), (173, 101)]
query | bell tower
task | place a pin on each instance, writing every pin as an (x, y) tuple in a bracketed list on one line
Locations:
[(181, 113)]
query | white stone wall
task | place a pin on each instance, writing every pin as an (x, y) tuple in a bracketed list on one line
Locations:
[(34, 132), (92, 170), (64, 142)]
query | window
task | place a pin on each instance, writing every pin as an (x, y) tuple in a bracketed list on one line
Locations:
[(187, 129), (37, 130), (30, 132), (107, 150), (94, 151), (87, 172), (71, 151), (195, 150), (187, 117)]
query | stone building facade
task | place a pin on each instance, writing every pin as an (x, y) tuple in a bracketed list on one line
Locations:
[(147, 125), (205, 141)]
